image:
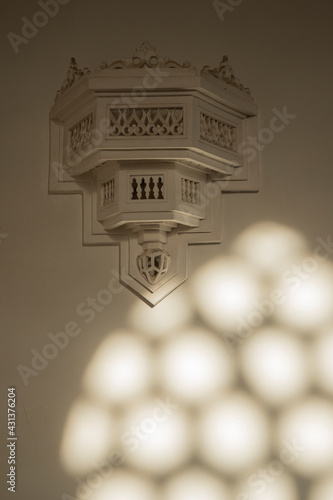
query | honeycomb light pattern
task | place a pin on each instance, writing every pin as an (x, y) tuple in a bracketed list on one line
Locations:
[(220, 392)]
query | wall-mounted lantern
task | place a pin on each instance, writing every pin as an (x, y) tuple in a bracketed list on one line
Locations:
[(151, 144)]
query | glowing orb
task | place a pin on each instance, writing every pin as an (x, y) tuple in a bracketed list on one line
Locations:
[(90, 434), (123, 485), (156, 436), (120, 370), (308, 292), (225, 290), (270, 246), (195, 484), (275, 365), (194, 366), (306, 432), (233, 434)]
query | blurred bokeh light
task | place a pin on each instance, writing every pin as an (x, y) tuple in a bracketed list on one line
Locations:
[(157, 436), (269, 246), (263, 485), (90, 434), (225, 290), (123, 485), (233, 434), (172, 313), (308, 304), (195, 483), (194, 366), (306, 429), (214, 390), (275, 365), (120, 370)]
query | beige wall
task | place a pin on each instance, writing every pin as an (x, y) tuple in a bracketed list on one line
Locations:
[(281, 50)]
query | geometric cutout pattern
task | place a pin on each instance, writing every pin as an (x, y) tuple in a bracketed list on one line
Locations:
[(153, 264)]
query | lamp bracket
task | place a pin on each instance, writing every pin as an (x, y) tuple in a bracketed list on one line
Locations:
[(150, 144)]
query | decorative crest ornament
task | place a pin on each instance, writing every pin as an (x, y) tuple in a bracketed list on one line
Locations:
[(226, 73), (73, 75), (150, 151), (145, 56)]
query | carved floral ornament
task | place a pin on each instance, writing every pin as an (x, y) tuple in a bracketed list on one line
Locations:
[(151, 167), (145, 55)]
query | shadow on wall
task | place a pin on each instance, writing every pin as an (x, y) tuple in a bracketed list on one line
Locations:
[(222, 391)]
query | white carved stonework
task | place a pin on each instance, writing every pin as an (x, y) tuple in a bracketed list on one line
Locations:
[(148, 187), (218, 133), (150, 144), (80, 134), (145, 56), (153, 264), (73, 75), (226, 73), (146, 121), (108, 192), (190, 191)]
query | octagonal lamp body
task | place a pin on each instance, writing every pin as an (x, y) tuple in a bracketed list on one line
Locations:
[(151, 144)]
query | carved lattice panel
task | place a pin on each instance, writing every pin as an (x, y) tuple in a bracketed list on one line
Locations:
[(217, 132), (159, 121)]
